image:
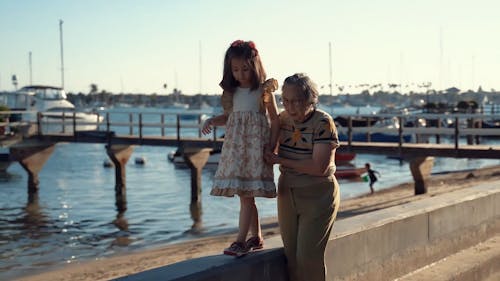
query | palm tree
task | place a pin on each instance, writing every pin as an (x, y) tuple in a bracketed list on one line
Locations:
[(93, 89)]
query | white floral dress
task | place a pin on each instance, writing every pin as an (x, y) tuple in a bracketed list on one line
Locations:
[(242, 170)]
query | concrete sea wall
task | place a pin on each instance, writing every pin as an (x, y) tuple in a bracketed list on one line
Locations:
[(380, 245)]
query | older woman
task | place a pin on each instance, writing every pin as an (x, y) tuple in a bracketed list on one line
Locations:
[(308, 193)]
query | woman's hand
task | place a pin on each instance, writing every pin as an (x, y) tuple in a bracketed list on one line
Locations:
[(207, 126)]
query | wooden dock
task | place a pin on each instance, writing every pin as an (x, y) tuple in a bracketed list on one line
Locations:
[(31, 144)]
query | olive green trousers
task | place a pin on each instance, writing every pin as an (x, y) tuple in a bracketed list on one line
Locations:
[(306, 215)]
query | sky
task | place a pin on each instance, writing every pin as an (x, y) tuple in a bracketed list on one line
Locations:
[(126, 46)]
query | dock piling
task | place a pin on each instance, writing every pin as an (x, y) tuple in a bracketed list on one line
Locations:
[(196, 158), (119, 155), (32, 156), (421, 168)]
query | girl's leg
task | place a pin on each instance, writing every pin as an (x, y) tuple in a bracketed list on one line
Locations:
[(255, 229), (247, 208)]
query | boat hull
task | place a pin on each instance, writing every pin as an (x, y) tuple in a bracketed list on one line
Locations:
[(375, 137), (351, 172)]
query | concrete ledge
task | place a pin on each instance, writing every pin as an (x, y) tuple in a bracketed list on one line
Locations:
[(263, 265), (380, 245), (475, 263), (389, 243)]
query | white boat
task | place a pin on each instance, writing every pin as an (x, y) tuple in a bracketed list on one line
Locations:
[(176, 158), (179, 105), (58, 114)]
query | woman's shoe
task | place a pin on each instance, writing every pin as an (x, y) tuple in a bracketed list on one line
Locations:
[(236, 249), (254, 243)]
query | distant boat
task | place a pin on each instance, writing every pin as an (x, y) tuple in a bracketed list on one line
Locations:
[(356, 121), (179, 105), (376, 137), (193, 116), (342, 157), (176, 157), (201, 106), (490, 124), (54, 106), (213, 159), (349, 172), (391, 123)]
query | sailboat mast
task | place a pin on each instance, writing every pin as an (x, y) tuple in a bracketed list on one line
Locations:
[(200, 61), (31, 70), (62, 53), (330, 59)]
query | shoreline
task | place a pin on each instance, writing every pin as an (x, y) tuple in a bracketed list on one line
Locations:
[(144, 259)]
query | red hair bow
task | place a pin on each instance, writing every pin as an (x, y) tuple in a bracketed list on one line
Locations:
[(237, 43), (251, 44), (241, 43)]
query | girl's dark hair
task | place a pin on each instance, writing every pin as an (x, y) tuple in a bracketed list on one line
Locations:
[(245, 50), (306, 86)]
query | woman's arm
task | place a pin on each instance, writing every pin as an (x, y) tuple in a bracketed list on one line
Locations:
[(323, 154)]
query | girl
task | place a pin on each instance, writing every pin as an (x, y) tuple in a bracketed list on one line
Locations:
[(242, 171)]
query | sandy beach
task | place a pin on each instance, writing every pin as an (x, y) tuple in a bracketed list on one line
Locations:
[(117, 266)]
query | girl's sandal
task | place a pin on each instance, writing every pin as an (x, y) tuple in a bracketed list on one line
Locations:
[(254, 243), (236, 249)]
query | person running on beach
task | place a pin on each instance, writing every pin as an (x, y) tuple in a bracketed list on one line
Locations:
[(248, 105), (371, 175)]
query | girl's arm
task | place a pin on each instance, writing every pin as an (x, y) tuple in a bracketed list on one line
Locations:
[(219, 120), (269, 86), (323, 154)]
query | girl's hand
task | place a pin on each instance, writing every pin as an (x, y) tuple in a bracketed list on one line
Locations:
[(271, 157), (207, 126), (270, 85), (268, 148)]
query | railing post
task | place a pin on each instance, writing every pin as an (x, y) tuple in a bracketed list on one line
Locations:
[(199, 125), (478, 123), (107, 122), (470, 125), (39, 122), (140, 127), (368, 134), (178, 127), (97, 121), (400, 131), (162, 124), (438, 125), (349, 130), (417, 135), (456, 133), (63, 121), (74, 123), (131, 124)]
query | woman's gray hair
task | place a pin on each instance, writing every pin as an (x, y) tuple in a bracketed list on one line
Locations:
[(306, 85)]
